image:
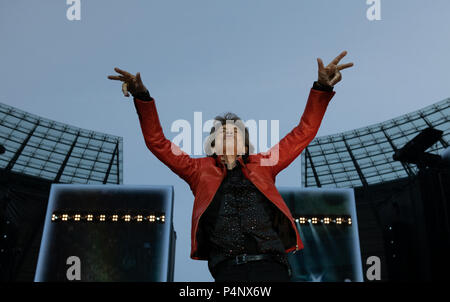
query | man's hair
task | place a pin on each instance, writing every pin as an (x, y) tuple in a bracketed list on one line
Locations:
[(221, 120)]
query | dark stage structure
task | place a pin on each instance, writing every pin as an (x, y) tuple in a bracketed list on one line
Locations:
[(108, 233), (34, 153), (400, 172)]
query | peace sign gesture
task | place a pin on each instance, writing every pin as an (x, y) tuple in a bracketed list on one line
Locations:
[(331, 74), (130, 83)]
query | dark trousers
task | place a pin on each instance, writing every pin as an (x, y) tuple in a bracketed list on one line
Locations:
[(262, 270)]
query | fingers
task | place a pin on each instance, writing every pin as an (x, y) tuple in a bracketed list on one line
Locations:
[(320, 64), (123, 72), (343, 66), (331, 73), (339, 57), (138, 78), (337, 77), (130, 82), (124, 76), (331, 70), (116, 78), (125, 89)]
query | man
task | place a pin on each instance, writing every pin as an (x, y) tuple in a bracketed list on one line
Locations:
[(240, 223)]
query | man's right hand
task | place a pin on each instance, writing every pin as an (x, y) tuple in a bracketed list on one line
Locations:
[(131, 83)]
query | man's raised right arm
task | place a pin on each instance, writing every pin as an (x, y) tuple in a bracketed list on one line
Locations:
[(165, 150)]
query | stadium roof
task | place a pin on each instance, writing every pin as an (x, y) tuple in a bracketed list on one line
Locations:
[(56, 151), (363, 156)]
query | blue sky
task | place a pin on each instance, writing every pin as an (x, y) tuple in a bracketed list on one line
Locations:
[(256, 58)]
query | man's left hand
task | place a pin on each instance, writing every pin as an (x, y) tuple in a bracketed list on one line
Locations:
[(331, 74)]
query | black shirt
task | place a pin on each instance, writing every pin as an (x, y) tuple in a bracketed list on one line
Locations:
[(239, 221)]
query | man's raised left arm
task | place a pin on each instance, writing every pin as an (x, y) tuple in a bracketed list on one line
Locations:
[(289, 147)]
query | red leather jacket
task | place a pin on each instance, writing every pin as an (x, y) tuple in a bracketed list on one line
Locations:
[(204, 175)]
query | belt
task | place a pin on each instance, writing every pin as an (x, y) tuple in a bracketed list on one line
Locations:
[(244, 258)]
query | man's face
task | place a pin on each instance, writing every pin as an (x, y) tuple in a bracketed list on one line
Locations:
[(229, 140)]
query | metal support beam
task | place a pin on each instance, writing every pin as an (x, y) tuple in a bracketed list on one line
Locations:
[(355, 163), (66, 159), (305, 173), (19, 151), (116, 151), (316, 177), (117, 163)]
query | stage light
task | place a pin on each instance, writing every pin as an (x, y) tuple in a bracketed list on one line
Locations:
[(320, 219), (132, 217)]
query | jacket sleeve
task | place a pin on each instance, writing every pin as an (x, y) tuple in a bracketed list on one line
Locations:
[(289, 147), (165, 150)]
